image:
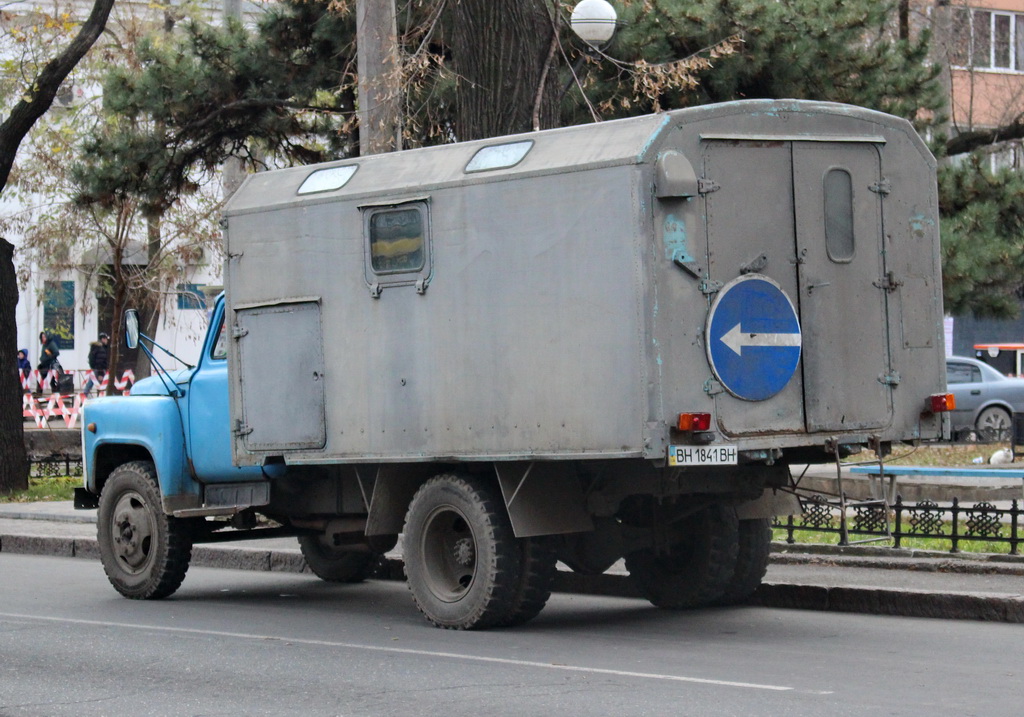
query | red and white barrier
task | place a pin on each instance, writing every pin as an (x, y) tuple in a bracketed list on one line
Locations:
[(34, 380), (57, 406)]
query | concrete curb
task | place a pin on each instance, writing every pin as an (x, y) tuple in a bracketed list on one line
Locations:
[(866, 600)]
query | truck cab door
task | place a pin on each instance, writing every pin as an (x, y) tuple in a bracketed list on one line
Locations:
[(208, 417)]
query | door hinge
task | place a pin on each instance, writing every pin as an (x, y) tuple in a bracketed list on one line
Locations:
[(238, 332), (888, 283), (709, 286), (712, 387), (882, 187), (890, 379), (755, 266), (241, 429), (706, 186)]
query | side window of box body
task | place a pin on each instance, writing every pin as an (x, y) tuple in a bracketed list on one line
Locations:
[(396, 241)]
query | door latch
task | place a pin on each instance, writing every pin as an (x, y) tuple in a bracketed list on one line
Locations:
[(888, 283)]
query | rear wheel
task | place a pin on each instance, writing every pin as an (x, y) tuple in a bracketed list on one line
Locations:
[(462, 559), (334, 565), (697, 569), (145, 553), (993, 424), (755, 538), (538, 565)]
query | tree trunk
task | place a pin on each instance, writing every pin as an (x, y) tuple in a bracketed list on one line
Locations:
[(380, 82), (489, 38), (13, 464)]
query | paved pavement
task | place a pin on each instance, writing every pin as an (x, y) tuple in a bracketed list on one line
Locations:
[(856, 579)]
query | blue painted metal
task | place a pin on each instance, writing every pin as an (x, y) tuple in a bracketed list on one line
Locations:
[(753, 337), (943, 472), (150, 422), (209, 434), (172, 430)]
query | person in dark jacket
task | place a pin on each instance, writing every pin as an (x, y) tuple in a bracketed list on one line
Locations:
[(99, 360), (24, 365), (47, 356)]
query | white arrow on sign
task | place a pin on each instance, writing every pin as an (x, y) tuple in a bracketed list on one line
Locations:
[(736, 339)]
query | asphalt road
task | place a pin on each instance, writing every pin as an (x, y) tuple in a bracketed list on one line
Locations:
[(246, 643)]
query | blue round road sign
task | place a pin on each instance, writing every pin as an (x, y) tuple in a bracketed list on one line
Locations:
[(753, 337)]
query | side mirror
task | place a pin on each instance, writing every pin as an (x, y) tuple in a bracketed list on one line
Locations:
[(131, 328)]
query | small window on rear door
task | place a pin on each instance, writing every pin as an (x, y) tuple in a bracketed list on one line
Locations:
[(839, 238)]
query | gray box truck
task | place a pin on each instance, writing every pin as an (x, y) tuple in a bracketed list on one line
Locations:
[(579, 345)]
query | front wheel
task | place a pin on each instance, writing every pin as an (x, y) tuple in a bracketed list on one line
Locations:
[(145, 553), (333, 565), (462, 559)]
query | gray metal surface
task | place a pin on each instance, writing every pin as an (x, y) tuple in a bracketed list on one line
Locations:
[(281, 361), (564, 312)]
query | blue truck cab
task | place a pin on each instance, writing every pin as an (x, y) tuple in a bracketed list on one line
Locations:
[(179, 423)]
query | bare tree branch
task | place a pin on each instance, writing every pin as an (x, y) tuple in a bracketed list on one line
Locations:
[(40, 96)]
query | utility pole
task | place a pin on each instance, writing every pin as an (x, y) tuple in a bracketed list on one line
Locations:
[(380, 90), (232, 171)]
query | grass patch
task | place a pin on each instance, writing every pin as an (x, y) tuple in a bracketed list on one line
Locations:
[(959, 454), (942, 545), (48, 488)]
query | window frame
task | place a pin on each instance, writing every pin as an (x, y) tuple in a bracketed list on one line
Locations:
[(378, 280), (980, 26)]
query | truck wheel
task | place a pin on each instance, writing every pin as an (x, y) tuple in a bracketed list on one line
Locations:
[(145, 553), (696, 570), (537, 568), (755, 538), (461, 556), (333, 565)]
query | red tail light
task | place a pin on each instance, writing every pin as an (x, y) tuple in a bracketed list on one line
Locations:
[(941, 402), (694, 422)]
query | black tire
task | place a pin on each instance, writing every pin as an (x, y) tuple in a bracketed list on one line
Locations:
[(697, 570), (461, 557), (333, 564), (145, 553), (755, 539), (537, 568)]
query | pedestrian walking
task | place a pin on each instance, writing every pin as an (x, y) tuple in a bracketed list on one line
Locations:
[(48, 353), (99, 361), (24, 365)]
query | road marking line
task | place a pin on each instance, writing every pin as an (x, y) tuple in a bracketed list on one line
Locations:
[(406, 651)]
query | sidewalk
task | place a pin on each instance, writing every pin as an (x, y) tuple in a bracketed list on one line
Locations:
[(856, 579)]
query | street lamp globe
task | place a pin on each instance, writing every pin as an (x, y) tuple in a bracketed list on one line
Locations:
[(593, 21)]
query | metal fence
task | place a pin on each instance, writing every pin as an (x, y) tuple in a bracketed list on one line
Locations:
[(55, 466), (951, 522)]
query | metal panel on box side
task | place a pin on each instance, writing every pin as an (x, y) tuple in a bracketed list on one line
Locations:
[(282, 377)]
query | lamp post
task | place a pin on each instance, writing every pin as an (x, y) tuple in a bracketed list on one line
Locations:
[(593, 21)]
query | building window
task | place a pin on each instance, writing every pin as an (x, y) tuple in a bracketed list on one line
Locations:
[(59, 312), (987, 40), (190, 296)]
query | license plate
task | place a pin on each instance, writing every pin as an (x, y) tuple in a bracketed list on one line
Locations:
[(702, 455)]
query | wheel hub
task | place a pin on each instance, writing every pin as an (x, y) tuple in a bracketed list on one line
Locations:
[(132, 530), (462, 551)]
